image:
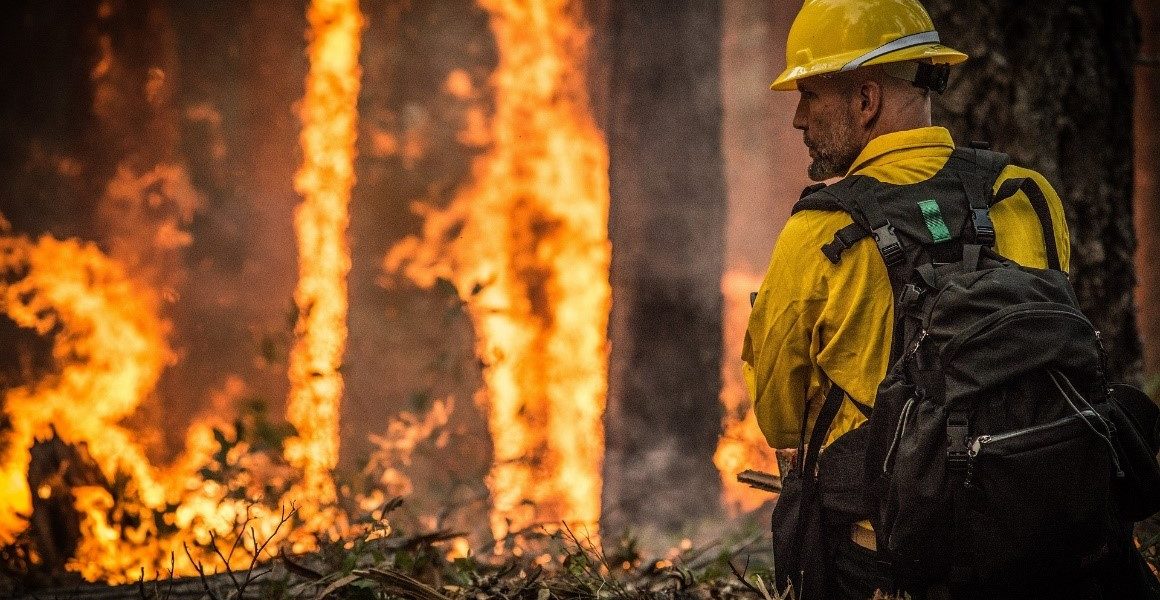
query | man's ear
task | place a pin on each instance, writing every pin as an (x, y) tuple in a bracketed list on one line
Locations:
[(868, 101)]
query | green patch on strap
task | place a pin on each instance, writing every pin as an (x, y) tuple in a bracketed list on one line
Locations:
[(934, 221)]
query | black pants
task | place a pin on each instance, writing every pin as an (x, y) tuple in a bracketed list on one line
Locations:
[(854, 572)]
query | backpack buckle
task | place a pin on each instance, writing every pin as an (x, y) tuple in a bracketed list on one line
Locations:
[(911, 294), (888, 244), (984, 229), (958, 428)]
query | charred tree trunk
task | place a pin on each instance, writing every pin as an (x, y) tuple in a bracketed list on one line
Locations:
[(1051, 84), (667, 230), (55, 469)]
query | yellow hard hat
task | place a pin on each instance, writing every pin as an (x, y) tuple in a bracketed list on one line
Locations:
[(841, 35)]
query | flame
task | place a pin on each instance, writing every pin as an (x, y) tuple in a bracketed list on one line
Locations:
[(527, 244), (742, 445), (395, 449), (329, 115), (72, 291), (109, 348)]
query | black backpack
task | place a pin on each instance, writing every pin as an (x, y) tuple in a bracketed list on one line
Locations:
[(996, 453)]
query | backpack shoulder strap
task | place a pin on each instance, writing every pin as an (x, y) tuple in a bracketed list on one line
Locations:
[(855, 196), (808, 453), (978, 170), (1039, 203)]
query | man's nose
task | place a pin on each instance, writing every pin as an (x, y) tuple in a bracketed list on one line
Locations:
[(799, 116)]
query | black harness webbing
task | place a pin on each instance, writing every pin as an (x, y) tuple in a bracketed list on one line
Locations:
[(844, 239), (871, 221), (967, 163), (808, 455), (1042, 210)]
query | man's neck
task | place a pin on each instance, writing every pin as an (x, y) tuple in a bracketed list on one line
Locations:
[(901, 113)]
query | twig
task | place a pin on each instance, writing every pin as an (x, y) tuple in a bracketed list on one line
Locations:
[(741, 575), (258, 549), (238, 538), (172, 574), (403, 583), (141, 584), (201, 573), (225, 561)]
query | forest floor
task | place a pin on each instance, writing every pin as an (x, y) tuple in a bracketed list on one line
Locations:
[(536, 564)]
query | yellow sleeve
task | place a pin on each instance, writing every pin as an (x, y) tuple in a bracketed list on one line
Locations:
[(811, 321), (1018, 234)]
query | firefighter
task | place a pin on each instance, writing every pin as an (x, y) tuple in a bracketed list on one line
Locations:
[(864, 71)]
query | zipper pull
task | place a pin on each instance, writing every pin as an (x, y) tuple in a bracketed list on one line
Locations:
[(917, 343), (1103, 358), (973, 452), (977, 445)]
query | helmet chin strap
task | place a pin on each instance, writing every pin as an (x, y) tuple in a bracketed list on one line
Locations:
[(922, 74)]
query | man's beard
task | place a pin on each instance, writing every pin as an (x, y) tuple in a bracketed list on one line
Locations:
[(825, 167), (837, 155)]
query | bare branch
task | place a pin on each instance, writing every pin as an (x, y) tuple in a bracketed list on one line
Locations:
[(201, 573)]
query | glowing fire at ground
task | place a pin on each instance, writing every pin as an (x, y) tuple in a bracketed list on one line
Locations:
[(527, 244), (108, 348), (742, 445), (73, 289), (329, 114)]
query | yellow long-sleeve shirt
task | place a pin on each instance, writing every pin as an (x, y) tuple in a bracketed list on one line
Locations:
[(814, 322)]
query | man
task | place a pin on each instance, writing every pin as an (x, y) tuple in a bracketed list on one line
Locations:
[(864, 70)]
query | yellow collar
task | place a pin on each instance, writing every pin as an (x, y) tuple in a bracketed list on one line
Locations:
[(904, 145)]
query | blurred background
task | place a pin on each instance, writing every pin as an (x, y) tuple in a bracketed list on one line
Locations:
[(493, 256)]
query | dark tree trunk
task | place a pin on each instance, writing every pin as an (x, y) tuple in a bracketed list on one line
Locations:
[(667, 230), (1051, 83)]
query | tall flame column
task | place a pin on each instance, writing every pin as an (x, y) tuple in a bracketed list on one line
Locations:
[(527, 245), (329, 115)]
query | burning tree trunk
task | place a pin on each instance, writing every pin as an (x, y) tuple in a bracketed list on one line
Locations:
[(1052, 86), (667, 230)]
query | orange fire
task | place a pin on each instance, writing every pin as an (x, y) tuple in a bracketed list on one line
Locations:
[(527, 245), (109, 347), (85, 301), (742, 445), (329, 115)]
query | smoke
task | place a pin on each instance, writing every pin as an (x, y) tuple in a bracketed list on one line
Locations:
[(765, 167), (166, 133)]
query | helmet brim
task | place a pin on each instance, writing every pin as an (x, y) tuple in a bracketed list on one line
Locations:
[(936, 53)]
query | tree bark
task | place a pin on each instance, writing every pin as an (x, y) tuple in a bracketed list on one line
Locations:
[(1051, 84), (1148, 181), (667, 229)]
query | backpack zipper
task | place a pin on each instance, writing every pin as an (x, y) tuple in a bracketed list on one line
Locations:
[(953, 345), (981, 441), (922, 335), (899, 432)]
